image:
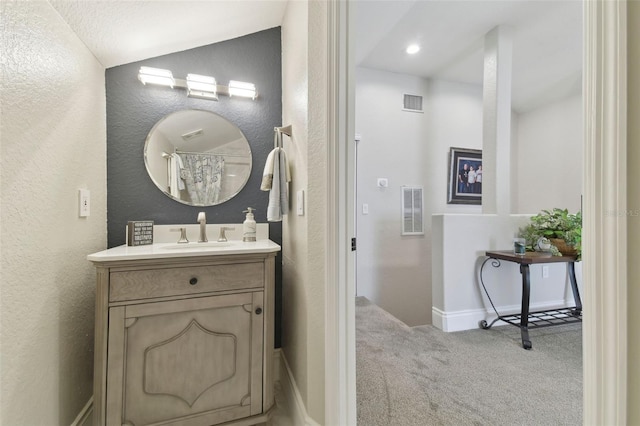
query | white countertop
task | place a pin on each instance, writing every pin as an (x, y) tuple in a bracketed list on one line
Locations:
[(174, 250)]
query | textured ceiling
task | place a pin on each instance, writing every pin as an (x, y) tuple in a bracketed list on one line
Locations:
[(547, 56), (120, 32)]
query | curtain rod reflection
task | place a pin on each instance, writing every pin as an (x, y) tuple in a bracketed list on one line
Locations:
[(165, 155)]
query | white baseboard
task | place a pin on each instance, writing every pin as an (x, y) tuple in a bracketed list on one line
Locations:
[(85, 417), (298, 412), (470, 319)]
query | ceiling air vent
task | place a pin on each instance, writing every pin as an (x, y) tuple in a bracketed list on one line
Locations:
[(412, 103), (191, 135)]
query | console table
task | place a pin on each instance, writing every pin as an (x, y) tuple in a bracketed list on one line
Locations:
[(526, 319)]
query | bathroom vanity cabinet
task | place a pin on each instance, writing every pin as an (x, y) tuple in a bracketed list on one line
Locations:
[(184, 340)]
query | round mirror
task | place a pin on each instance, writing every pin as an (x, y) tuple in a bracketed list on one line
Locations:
[(197, 157)]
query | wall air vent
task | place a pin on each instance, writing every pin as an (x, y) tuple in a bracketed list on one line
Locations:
[(412, 103), (412, 210)]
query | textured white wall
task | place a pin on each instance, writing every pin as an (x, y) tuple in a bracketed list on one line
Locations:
[(294, 228), (394, 271), (317, 208), (549, 157), (304, 106), (53, 143)]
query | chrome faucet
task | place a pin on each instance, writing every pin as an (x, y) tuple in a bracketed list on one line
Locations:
[(183, 235), (222, 237), (202, 220)]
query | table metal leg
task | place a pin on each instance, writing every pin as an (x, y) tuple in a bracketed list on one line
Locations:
[(524, 311), (574, 288)]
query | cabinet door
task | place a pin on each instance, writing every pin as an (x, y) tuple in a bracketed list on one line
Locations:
[(189, 362)]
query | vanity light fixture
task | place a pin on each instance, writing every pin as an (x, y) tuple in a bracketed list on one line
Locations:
[(197, 86), (202, 86), (412, 49), (156, 76), (240, 88)]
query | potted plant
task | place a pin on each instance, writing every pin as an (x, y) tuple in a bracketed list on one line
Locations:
[(556, 231)]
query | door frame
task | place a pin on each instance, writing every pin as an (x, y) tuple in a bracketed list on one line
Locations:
[(340, 360), (604, 246), (605, 206)]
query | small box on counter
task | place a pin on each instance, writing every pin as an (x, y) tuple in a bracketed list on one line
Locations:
[(139, 233)]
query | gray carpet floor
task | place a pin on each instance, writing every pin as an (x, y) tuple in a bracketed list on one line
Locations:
[(423, 376)]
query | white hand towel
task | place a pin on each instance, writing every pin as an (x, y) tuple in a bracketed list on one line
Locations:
[(286, 165), (284, 180), (279, 194), (274, 208), (267, 174), (175, 182)]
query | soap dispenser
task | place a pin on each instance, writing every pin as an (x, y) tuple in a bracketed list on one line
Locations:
[(249, 226)]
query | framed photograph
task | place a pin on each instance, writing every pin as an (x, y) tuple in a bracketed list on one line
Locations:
[(465, 176)]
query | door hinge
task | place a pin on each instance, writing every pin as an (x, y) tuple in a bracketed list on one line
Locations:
[(353, 244)]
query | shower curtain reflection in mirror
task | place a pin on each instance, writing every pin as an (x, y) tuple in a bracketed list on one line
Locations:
[(202, 174)]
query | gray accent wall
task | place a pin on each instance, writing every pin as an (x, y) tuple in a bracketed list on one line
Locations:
[(133, 109)]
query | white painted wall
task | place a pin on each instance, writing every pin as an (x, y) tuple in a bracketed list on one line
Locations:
[(544, 141), (549, 157), (394, 271), (459, 301), (53, 139), (407, 148), (304, 107), (391, 269), (454, 119), (633, 223)]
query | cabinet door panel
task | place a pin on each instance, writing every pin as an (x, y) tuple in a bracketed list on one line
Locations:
[(191, 361)]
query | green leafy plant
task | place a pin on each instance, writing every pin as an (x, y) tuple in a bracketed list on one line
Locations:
[(552, 224)]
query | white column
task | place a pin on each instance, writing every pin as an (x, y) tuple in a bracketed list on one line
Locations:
[(496, 129)]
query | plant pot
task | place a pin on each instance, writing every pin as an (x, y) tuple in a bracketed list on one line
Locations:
[(563, 247)]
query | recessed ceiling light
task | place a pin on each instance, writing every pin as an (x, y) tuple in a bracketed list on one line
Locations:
[(412, 49)]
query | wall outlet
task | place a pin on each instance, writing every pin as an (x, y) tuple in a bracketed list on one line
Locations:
[(545, 271), (84, 202), (365, 209)]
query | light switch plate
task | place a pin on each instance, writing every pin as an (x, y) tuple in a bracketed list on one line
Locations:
[(300, 202), (84, 202)]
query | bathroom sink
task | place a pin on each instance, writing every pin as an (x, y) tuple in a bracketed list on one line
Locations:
[(197, 246), (163, 250)]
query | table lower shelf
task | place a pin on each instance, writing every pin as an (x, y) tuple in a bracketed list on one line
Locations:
[(541, 319), (525, 319)]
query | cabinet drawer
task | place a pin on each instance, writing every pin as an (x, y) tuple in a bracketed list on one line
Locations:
[(146, 284)]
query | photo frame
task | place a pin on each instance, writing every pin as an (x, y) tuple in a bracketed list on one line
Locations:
[(465, 166)]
